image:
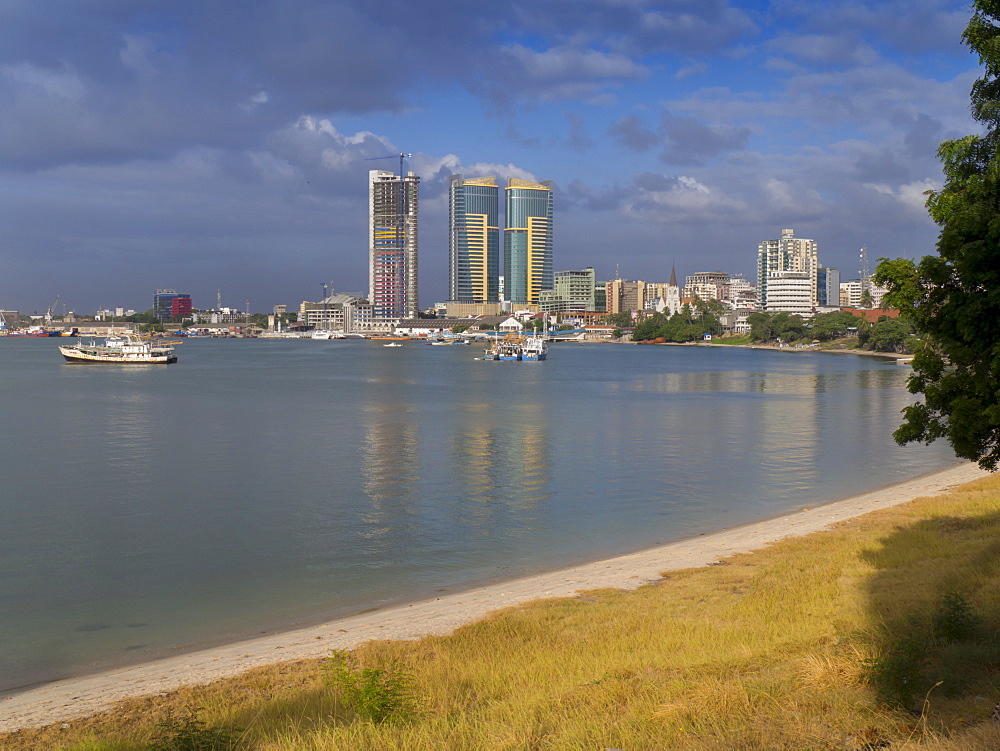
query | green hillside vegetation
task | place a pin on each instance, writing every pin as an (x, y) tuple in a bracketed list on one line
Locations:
[(880, 633)]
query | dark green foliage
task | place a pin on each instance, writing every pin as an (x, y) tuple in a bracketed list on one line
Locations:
[(896, 672), (687, 325), (190, 734), (374, 694), (946, 654), (837, 325), (770, 327), (886, 335), (954, 620), (953, 298)]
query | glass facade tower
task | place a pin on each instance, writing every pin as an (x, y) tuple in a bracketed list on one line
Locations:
[(473, 240), (392, 244), (527, 240)]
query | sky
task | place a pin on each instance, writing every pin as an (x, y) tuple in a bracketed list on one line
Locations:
[(223, 146)]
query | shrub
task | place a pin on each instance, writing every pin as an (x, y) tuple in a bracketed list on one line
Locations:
[(954, 620), (190, 734), (376, 694)]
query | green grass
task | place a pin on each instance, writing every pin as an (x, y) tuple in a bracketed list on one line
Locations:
[(881, 633)]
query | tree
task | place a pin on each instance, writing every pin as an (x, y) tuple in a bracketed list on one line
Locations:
[(886, 335), (836, 325), (620, 319), (762, 327), (953, 298)]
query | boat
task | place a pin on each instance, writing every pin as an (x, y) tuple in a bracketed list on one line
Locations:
[(120, 349), (534, 348), (392, 344), (517, 347)]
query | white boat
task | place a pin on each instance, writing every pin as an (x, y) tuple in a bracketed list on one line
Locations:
[(120, 349), (534, 348), (517, 347), (392, 344)]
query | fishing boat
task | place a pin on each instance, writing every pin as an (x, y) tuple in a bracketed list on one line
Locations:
[(534, 348), (517, 347), (120, 349)]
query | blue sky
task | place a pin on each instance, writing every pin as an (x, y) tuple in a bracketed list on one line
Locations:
[(225, 145)]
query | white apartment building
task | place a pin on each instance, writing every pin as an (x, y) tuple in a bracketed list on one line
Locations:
[(787, 253), (790, 292), (850, 294)]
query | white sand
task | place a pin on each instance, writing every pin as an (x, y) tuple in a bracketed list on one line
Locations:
[(76, 697)]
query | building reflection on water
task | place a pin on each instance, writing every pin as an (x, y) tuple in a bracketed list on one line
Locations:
[(501, 461)]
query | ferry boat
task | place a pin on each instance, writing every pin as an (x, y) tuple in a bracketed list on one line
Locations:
[(121, 349)]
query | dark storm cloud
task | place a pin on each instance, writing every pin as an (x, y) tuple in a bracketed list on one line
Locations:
[(642, 27), (690, 142), (631, 134), (102, 82)]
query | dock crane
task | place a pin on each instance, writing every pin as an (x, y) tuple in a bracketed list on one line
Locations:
[(48, 313)]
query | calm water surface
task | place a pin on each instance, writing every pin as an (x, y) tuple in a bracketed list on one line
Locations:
[(259, 484)]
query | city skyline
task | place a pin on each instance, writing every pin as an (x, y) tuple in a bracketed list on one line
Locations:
[(198, 148)]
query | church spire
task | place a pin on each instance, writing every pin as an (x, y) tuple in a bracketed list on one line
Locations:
[(673, 276)]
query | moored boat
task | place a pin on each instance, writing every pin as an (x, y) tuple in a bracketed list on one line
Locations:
[(120, 349)]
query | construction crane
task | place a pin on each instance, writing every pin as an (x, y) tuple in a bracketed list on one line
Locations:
[(48, 313), (401, 157)]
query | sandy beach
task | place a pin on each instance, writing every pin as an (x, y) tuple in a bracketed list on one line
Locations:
[(76, 697)]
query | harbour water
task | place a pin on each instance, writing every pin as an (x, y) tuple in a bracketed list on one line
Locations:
[(261, 484)]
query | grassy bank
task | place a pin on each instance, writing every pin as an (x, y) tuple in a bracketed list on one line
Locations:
[(881, 633)]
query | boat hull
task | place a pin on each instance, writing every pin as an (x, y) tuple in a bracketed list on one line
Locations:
[(77, 356)]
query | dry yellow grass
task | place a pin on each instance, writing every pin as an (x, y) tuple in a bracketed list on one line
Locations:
[(770, 650)]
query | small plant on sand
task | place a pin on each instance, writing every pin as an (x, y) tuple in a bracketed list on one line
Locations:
[(374, 694), (190, 734)]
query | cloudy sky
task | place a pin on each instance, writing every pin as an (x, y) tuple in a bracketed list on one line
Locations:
[(225, 144)]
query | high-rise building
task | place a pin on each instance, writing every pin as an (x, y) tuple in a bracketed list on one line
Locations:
[(167, 303), (473, 240), (624, 296), (827, 287), (790, 292), (527, 240), (392, 244), (787, 253)]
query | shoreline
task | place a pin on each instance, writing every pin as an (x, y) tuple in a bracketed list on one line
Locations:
[(71, 698)]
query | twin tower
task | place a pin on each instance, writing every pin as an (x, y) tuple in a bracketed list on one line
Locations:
[(473, 242)]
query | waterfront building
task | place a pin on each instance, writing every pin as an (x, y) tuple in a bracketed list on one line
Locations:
[(392, 244), (787, 253), (707, 285), (790, 292), (337, 312), (574, 291), (167, 303), (527, 240), (827, 287), (473, 240), (663, 298), (624, 295)]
